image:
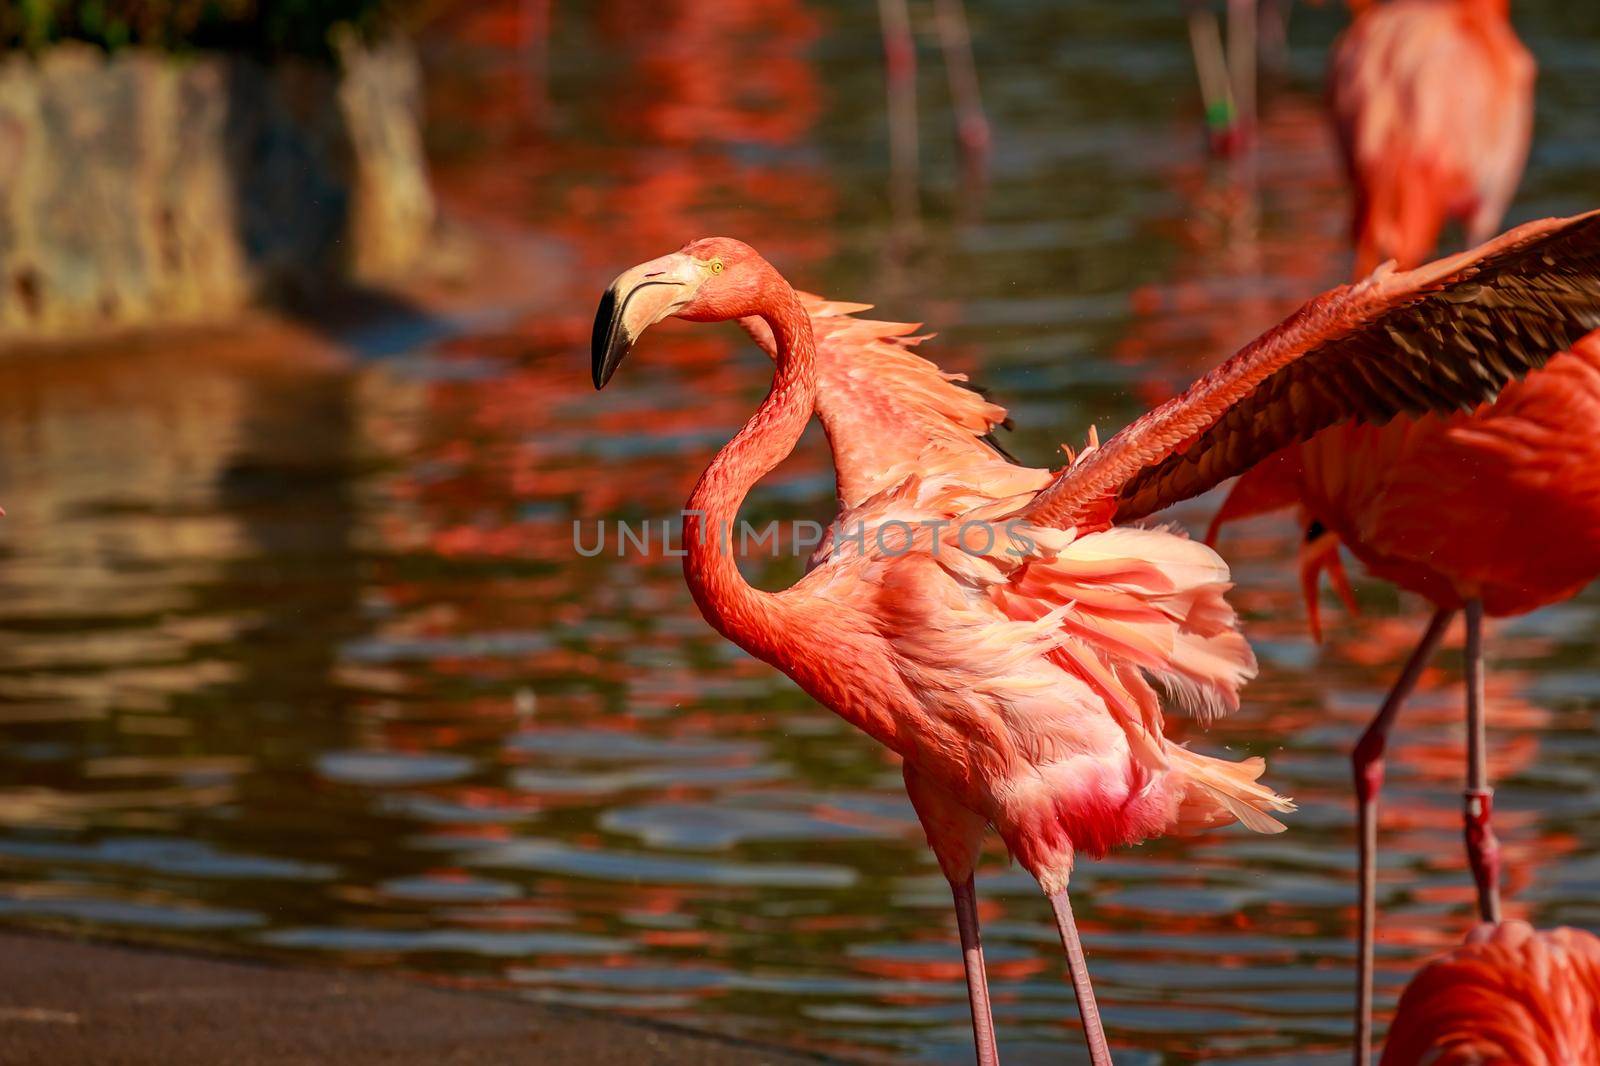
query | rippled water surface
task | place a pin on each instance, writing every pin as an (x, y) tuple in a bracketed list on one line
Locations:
[(298, 659)]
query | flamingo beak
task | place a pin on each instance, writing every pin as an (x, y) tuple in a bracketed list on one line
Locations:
[(637, 300), (1319, 553)]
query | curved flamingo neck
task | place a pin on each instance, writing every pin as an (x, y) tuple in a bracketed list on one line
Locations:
[(746, 615)]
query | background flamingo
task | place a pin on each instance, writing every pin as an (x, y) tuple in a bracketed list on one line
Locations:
[(1433, 100), (1433, 103), (1510, 994), (1012, 678)]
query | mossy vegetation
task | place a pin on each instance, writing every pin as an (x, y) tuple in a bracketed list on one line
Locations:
[(263, 27)]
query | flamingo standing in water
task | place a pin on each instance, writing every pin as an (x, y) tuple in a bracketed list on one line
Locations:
[(1433, 103), (1509, 995), (992, 624)]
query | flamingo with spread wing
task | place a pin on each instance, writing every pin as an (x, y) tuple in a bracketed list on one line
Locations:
[(994, 625), (1493, 511)]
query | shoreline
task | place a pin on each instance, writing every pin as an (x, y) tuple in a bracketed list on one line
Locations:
[(66, 999)]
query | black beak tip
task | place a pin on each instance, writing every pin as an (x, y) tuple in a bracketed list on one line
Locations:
[(609, 342), (608, 358)]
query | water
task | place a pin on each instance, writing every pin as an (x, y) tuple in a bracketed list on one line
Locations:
[(298, 659)]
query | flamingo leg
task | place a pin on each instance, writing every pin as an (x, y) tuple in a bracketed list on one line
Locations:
[(1242, 61), (1094, 1033), (1483, 849), (1211, 66), (1275, 35), (535, 40), (900, 76), (977, 976), (1366, 762), (972, 126)]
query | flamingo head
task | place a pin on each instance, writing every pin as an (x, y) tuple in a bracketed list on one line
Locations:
[(709, 280)]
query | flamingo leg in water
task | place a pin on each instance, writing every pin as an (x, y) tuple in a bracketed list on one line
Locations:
[(977, 976), (1094, 1033), (972, 126), (534, 32), (1483, 850), (1242, 61), (1367, 763), (900, 77), (1274, 33)]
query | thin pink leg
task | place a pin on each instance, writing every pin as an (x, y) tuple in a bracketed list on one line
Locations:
[(1211, 66), (977, 976), (1242, 61), (900, 76), (1093, 1032), (1483, 850), (972, 125), (1367, 764), (535, 34)]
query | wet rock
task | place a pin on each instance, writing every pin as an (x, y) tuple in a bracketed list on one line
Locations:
[(145, 188)]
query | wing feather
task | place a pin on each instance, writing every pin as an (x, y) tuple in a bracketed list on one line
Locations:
[(885, 408), (1444, 337)]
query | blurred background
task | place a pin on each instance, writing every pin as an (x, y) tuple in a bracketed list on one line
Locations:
[(297, 658)]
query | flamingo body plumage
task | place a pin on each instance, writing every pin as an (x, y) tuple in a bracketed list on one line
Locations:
[(1510, 996)]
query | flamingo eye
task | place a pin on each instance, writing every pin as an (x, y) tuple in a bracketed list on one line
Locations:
[(716, 266)]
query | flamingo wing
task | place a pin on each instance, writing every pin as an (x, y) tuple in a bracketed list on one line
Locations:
[(1444, 337), (885, 408)]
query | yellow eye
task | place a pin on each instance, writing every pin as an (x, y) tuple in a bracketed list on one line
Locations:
[(716, 266)]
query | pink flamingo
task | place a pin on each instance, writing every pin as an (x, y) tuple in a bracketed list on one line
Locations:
[(1015, 669), (1433, 100), (1509, 995)]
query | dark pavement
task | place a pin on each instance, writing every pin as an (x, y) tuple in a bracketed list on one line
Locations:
[(64, 1002)]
